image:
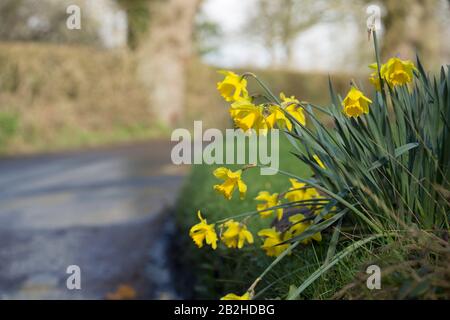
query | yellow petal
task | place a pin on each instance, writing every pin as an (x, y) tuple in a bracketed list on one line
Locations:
[(319, 162), (297, 113), (263, 196), (296, 218), (225, 188), (280, 214), (211, 237), (232, 296), (248, 236), (221, 173), (317, 236), (242, 188), (198, 239), (271, 233)]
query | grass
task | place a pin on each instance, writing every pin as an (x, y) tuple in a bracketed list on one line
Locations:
[(229, 270), (410, 267), (8, 124)]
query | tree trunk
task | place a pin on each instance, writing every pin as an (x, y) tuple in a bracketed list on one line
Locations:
[(164, 55), (411, 26)]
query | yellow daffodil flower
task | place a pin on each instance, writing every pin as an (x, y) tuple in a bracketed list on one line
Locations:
[(203, 231), (248, 116), (292, 106), (271, 200), (374, 78), (319, 162), (232, 180), (277, 116), (355, 103), (299, 226), (397, 72), (232, 87), (297, 113), (270, 245), (236, 234), (232, 296), (300, 192), (290, 99)]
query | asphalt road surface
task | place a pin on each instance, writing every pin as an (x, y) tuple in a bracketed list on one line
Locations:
[(105, 211)]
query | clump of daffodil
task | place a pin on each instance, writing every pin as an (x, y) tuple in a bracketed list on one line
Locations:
[(270, 200), (292, 106), (232, 181), (233, 87), (236, 234), (232, 296), (299, 225), (247, 116), (397, 72), (355, 103), (203, 231), (374, 77), (272, 242), (299, 191), (319, 162)]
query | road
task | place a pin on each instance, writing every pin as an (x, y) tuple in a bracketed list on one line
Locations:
[(105, 211)]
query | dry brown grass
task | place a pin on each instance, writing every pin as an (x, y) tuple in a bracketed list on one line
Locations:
[(415, 267)]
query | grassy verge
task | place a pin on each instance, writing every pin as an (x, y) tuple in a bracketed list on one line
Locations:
[(410, 267), (69, 138)]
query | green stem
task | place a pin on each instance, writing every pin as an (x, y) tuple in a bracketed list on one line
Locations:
[(377, 57), (263, 85)]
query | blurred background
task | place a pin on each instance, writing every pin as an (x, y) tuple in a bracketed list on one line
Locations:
[(137, 68), (118, 85)]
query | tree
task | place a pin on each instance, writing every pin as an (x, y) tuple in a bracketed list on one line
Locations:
[(278, 23), (412, 26), (45, 20), (138, 20), (164, 54), (207, 36)]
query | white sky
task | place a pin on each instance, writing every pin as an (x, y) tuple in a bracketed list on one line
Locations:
[(319, 48)]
